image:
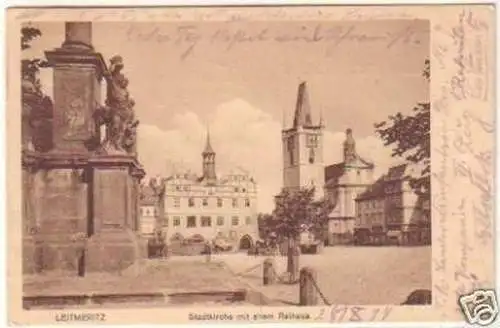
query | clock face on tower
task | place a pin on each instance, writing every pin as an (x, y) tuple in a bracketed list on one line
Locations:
[(312, 141)]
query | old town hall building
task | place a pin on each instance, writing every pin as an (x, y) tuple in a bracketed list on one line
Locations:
[(205, 207)]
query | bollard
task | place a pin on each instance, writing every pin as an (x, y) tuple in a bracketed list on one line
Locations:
[(308, 293), (208, 253), (293, 264), (268, 277)]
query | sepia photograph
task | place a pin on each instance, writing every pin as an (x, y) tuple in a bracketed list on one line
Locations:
[(198, 160), (244, 164)]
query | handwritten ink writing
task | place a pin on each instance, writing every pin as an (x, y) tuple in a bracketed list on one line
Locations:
[(440, 292), (341, 313), (232, 35), (470, 79)]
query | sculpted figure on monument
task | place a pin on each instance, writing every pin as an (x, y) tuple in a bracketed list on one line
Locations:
[(118, 114)]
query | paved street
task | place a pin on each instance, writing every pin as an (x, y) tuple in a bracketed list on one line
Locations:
[(349, 275)]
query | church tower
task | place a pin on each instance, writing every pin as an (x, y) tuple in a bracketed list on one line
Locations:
[(303, 148), (209, 162)]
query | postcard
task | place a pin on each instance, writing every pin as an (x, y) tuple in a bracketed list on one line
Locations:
[(264, 164)]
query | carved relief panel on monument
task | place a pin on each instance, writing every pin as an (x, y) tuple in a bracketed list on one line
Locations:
[(73, 119)]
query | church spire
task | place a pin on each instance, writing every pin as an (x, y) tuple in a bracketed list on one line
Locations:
[(209, 161), (302, 109), (208, 145)]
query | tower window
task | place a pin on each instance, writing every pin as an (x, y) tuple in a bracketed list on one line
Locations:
[(311, 156)]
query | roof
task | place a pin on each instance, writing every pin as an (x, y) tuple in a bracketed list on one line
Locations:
[(334, 172), (302, 108), (375, 190), (208, 146), (147, 196), (396, 172)]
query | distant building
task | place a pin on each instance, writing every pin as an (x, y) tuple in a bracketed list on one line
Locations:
[(343, 182), (208, 206), (148, 211), (392, 207)]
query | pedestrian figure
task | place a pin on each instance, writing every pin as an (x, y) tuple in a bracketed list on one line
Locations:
[(208, 251)]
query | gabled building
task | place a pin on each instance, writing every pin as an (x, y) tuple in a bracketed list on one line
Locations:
[(391, 206), (208, 206)]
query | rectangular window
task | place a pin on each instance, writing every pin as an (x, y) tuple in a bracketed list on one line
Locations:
[(248, 220), (247, 202), (219, 202), (191, 222), (177, 221), (165, 221), (205, 202), (235, 220), (220, 220), (191, 202), (206, 221), (177, 202), (235, 202)]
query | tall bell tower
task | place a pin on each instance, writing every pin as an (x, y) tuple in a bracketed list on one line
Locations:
[(303, 148)]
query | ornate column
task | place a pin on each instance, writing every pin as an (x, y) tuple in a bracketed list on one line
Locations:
[(78, 71)]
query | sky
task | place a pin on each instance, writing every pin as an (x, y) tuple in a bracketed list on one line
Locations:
[(239, 80)]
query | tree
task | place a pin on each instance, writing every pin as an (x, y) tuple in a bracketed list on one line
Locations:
[(265, 224), (37, 108), (297, 211), (410, 137), (31, 67)]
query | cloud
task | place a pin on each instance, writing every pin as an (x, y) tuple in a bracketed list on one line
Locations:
[(243, 137)]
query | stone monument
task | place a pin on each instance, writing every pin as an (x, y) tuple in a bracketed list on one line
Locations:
[(81, 192)]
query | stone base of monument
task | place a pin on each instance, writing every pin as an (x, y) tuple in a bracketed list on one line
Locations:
[(114, 250), (59, 253), (31, 255)]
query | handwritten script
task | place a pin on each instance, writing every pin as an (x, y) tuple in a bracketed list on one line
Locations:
[(188, 37), (465, 159)]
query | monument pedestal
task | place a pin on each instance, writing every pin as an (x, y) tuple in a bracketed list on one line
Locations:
[(31, 255), (114, 243), (113, 250)]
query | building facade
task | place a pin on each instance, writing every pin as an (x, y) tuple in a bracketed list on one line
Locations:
[(209, 206), (392, 208), (343, 183), (148, 211)]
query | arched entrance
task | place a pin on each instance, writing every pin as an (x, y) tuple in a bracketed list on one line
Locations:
[(246, 242)]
